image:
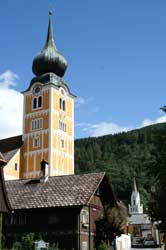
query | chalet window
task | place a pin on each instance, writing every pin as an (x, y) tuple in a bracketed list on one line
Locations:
[(15, 219), (15, 166), (85, 217), (84, 245), (22, 219), (7, 219)]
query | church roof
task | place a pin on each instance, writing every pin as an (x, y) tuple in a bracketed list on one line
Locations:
[(139, 219), (57, 191), (49, 59)]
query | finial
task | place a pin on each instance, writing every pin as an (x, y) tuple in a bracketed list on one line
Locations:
[(135, 185), (49, 59), (50, 29)]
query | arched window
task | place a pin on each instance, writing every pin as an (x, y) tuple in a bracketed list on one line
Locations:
[(34, 103), (36, 142), (64, 106), (39, 101), (60, 103)]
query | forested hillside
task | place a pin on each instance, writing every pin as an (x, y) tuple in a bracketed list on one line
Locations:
[(122, 156)]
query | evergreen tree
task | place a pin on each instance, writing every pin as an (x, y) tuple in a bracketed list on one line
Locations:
[(157, 203)]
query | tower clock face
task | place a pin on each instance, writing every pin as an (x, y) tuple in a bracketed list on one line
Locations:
[(36, 90)]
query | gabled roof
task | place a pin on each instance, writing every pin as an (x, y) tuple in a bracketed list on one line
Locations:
[(10, 144), (57, 191), (2, 160)]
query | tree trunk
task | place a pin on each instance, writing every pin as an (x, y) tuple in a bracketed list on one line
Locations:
[(108, 244)]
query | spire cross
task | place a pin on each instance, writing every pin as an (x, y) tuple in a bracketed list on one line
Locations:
[(50, 37)]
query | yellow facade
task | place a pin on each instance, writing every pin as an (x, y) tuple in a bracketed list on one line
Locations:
[(48, 131), (12, 169)]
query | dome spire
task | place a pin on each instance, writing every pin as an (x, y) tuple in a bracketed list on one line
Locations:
[(49, 60), (50, 36)]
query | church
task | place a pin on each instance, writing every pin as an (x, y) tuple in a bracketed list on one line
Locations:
[(44, 194), (48, 120), (141, 228)]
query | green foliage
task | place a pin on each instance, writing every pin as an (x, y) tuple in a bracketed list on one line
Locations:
[(122, 156), (157, 203), (113, 222), (25, 242), (17, 246), (102, 246), (28, 241), (54, 246)]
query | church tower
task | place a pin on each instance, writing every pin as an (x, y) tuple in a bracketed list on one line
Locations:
[(135, 207), (48, 117)]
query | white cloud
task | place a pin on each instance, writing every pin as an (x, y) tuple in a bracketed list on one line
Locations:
[(147, 122), (11, 103), (105, 128), (8, 79), (79, 101), (102, 128)]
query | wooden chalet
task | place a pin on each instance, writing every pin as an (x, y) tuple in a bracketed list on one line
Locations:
[(4, 203), (63, 209)]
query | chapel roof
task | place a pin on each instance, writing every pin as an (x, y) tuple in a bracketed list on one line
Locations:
[(57, 191), (139, 219)]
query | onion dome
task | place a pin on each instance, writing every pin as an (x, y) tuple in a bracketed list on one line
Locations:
[(49, 59)]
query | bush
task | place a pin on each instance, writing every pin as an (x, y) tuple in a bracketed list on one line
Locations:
[(102, 245), (17, 246)]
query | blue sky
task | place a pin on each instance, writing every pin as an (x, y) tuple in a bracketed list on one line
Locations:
[(116, 52)]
